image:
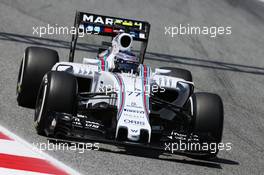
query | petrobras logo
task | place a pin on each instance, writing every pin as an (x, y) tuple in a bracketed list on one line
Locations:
[(111, 21), (134, 111)]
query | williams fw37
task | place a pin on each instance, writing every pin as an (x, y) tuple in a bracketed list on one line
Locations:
[(116, 98)]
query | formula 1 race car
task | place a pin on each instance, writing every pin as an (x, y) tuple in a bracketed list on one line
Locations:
[(115, 98)]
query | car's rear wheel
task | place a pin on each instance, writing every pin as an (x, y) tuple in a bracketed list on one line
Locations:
[(208, 116), (35, 64), (57, 93)]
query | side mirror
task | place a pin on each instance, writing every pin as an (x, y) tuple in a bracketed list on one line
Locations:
[(162, 71), (90, 61)]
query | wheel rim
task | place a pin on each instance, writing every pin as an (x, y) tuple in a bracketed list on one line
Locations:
[(40, 101)]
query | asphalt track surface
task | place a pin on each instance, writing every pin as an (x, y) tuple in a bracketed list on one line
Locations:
[(231, 66)]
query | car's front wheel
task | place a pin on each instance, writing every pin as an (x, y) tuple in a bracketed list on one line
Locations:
[(208, 117), (57, 93)]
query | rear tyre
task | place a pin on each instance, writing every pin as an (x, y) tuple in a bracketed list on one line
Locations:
[(179, 73), (36, 62), (57, 93), (208, 115)]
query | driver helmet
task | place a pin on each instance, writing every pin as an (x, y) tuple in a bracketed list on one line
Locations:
[(126, 61)]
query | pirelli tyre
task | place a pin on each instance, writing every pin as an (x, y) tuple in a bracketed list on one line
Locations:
[(180, 73), (57, 93), (208, 120), (37, 61)]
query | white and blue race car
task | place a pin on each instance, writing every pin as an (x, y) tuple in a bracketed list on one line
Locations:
[(115, 97)]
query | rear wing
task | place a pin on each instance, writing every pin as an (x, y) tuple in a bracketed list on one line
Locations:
[(110, 26)]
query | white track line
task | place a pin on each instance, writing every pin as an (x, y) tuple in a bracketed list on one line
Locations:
[(7, 171), (23, 151)]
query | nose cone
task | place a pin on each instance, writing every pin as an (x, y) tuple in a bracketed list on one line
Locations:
[(132, 113), (133, 134)]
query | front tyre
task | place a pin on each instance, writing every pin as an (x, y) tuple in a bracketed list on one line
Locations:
[(208, 116), (57, 93)]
